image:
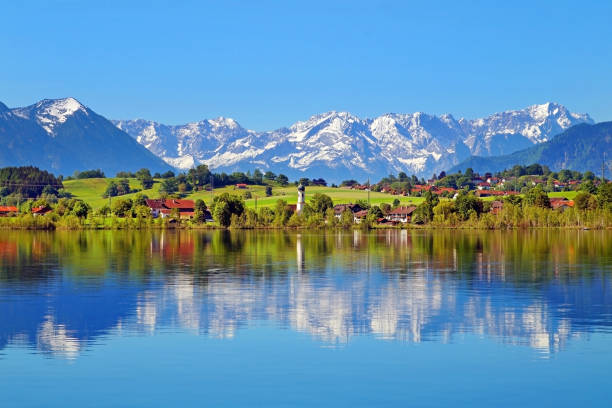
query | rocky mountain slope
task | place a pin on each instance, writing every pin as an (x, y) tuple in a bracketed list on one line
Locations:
[(339, 145), (62, 136), (580, 148)]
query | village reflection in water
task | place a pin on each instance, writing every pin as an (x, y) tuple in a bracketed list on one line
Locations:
[(63, 292)]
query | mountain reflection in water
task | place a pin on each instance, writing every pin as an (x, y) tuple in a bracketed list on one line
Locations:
[(63, 291)]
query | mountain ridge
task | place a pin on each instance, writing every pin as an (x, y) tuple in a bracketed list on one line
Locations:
[(580, 148), (339, 143)]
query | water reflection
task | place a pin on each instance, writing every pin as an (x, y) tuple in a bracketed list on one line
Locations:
[(60, 292)]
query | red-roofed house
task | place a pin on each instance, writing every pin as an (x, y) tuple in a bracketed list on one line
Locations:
[(163, 208), (359, 216), (561, 203), (7, 210), (42, 210)]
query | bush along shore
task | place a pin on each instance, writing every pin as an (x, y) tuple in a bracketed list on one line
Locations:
[(532, 209)]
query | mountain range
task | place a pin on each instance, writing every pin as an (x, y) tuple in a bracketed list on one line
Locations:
[(63, 136), (580, 148), (337, 145)]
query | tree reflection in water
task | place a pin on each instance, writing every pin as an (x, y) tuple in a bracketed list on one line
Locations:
[(61, 290)]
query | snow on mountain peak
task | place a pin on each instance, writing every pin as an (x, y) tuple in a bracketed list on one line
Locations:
[(347, 145), (50, 113)]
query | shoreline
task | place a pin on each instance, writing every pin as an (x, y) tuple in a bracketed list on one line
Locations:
[(298, 228)]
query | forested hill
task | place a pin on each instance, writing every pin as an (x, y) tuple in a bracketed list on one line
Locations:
[(580, 148)]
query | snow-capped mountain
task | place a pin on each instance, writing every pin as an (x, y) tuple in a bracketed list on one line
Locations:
[(62, 135), (339, 145), (186, 145), (506, 132)]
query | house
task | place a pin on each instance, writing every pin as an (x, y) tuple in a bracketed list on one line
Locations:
[(359, 216), (401, 214), (241, 186), (7, 210), (163, 208), (41, 210), (561, 203), (484, 185), (340, 208)]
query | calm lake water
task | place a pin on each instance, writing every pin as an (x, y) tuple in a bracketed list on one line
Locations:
[(391, 318)]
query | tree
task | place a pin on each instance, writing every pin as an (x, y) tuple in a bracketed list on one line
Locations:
[(145, 178), (258, 177), (604, 195), (199, 176), (349, 183), (282, 179), (589, 187), (111, 190), (396, 202), (386, 208), (89, 174), (424, 212), (268, 175), (320, 203), (584, 200), (347, 218), (226, 205), (140, 199), (141, 211), (282, 213), (537, 197), (565, 175), (375, 212), (421, 214), (123, 187), (443, 211), (81, 209), (168, 186), (466, 204), (199, 215), (122, 207), (268, 191)]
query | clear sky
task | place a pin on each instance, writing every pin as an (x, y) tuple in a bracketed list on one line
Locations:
[(268, 64)]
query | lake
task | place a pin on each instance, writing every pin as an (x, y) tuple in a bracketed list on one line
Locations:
[(269, 318)]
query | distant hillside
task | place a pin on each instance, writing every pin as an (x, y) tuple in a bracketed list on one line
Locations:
[(580, 147), (63, 136)]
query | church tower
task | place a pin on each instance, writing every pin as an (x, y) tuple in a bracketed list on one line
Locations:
[(300, 201)]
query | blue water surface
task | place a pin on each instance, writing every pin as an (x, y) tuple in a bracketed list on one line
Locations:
[(393, 318)]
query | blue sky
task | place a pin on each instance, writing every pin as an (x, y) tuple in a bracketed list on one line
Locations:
[(268, 64)]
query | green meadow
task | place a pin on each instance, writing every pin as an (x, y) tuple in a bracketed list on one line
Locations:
[(91, 191)]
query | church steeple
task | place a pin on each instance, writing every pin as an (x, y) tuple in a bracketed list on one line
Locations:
[(300, 201)]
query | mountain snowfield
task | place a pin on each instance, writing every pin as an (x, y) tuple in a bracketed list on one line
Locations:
[(339, 145)]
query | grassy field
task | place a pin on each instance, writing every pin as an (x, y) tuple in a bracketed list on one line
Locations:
[(91, 190)]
